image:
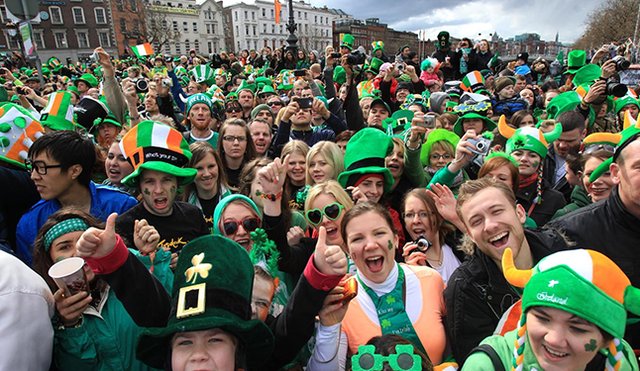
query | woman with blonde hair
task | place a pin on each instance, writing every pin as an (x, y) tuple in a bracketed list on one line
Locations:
[(325, 161), (295, 182)]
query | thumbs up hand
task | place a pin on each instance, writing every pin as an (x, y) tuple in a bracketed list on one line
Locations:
[(329, 259), (96, 243)]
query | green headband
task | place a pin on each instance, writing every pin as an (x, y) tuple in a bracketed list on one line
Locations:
[(62, 228)]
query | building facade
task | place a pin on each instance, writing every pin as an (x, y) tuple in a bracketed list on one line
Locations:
[(369, 30)]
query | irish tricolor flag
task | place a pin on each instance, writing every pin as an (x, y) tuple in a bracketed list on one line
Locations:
[(142, 50)]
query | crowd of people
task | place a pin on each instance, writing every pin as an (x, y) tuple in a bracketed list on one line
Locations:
[(356, 210)]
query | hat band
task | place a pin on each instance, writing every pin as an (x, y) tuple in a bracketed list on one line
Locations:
[(162, 155), (226, 300), (367, 162)]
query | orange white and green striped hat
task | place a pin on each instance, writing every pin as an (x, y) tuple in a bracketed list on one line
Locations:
[(18, 130), (156, 146), (58, 114), (582, 282)]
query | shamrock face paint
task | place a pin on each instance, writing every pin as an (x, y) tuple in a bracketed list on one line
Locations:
[(146, 192), (389, 245), (173, 189), (591, 346)]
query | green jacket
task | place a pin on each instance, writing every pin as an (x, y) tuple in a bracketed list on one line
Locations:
[(413, 168), (106, 338), (445, 177), (503, 345), (579, 198)]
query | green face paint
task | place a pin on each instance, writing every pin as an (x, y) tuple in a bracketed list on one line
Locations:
[(60, 258), (591, 347), (535, 164), (389, 245), (173, 189), (146, 192)]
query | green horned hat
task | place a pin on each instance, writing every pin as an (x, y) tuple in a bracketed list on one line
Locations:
[(377, 45), (363, 158), (626, 136), (212, 289), (528, 138), (347, 41), (155, 146)]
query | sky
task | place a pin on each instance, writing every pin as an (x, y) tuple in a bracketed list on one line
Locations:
[(471, 18)]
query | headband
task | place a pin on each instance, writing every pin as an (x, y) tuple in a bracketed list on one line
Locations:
[(62, 228)]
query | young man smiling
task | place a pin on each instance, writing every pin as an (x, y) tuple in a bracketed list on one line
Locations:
[(478, 294), (158, 154)]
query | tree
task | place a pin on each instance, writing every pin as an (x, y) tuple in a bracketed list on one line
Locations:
[(613, 20), (159, 28)]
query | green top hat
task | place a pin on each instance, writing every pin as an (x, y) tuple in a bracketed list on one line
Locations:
[(374, 65), (437, 136), (212, 289), (443, 40), (587, 75), (398, 122), (362, 158), (58, 114), (87, 78), (347, 41), (155, 146), (377, 45), (575, 60), (470, 111)]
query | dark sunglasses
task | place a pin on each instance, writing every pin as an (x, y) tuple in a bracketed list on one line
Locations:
[(249, 225), (233, 109), (274, 104), (331, 211)]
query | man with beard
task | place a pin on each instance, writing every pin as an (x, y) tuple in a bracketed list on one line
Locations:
[(198, 119)]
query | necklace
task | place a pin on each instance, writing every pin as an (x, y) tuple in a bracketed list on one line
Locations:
[(439, 260)]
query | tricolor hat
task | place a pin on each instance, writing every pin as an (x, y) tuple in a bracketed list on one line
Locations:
[(212, 288), (582, 282), (528, 138), (180, 71), (203, 74), (18, 130), (362, 158), (285, 80), (377, 45), (54, 63), (155, 146), (347, 41), (58, 114), (365, 88), (473, 82)]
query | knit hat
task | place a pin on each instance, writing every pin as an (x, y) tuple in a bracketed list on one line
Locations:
[(18, 130), (435, 101), (502, 82), (377, 45), (88, 78), (155, 146), (58, 114), (88, 110), (524, 56), (212, 288), (585, 283), (443, 40), (452, 88), (217, 213), (528, 138), (473, 82), (347, 41), (575, 60), (473, 110), (587, 75), (362, 158), (620, 103), (203, 74), (260, 107), (199, 98), (437, 136)]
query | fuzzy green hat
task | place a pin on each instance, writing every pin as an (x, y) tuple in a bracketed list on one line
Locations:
[(212, 288), (155, 146), (575, 60), (339, 75), (199, 98), (203, 73), (58, 114), (217, 213), (362, 158), (18, 130), (470, 111), (582, 282), (528, 138), (620, 103), (437, 136), (587, 75), (88, 78), (347, 41)]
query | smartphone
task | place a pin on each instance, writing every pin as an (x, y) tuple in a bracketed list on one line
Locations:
[(350, 289), (299, 73), (304, 103)]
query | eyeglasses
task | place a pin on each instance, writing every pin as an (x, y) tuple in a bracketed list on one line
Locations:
[(233, 109), (39, 166), (436, 157), (421, 215), (274, 104), (331, 211), (231, 138), (249, 225)]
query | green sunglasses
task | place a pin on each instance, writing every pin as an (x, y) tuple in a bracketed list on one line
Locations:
[(331, 211)]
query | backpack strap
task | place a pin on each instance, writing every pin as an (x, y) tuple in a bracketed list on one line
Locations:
[(489, 351)]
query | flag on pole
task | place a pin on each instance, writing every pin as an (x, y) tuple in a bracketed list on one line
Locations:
[(278, 8), (142, 50)]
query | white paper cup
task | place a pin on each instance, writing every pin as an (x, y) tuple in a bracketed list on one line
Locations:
[(69, 275)]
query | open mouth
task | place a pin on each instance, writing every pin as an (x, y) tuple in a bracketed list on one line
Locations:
[(418, 231), (160, 203), (318, 177), (332, 233), (393, 166), (375, 263), (554, 355), (599, 191), (500, 240), (244, 242)]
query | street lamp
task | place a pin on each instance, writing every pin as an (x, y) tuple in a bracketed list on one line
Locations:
[(292, 39), (14, 33)]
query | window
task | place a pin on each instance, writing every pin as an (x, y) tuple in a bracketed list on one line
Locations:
[(103, 37), (305, 15), (61, 39), (316, 19), (246, 14), (237, 31), (167, 48), (209, 47), (273, 28), (185, 27), (236, 14), (100, 15), (38, 38), (3, 13), (264, 12), (133, 4), (136, 26), (272, 14), (78, 15), (253, 16), (254, 30), (187, 45), (175, 26), (123, 25), (83, 39), (214, 27), (264, 28), (178, 51), (195, 27), (299, 14), (197, 46), (208, 29), (56, 15), (280, 28), (12, 41), (120, 5), (246, 29)]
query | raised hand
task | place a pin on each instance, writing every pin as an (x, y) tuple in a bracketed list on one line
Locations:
[(272, 176), (294, 235), (96, 243), (145, 237), (334, 308), (357, 195), (70, 309), (329, 259), (417, 258)]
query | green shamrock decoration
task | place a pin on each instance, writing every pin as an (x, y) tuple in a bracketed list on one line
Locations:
[(390, 300), (385, 323)]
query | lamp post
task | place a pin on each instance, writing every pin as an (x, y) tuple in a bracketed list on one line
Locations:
[(292, 39), (14, 33)]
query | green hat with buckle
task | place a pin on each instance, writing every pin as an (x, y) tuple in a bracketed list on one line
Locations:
[(374, 65), (362, 158), (347, 41), (212, 289)]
